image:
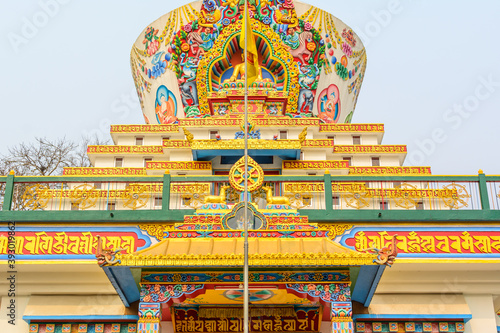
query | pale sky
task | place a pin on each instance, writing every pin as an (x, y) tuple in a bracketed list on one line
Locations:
[(433, 73)]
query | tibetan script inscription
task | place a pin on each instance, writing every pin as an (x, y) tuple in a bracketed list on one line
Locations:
[(64, 243), (315, 164), (189, 321)]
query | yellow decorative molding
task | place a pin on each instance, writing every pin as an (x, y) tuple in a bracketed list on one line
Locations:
[(104, 171), (373, 170), (124, 149), (190, 188), (176, 144), (88, 192), (318, 143), (179, 165), (240, 144), (286, 121), (335, 230), (303, 187), (210, 122), (268, 252), (315, 164), (156, 230), (379, 149), (267, 121), (163, 128), (395, 192), (274, 259), (351, 128), (342, 319)]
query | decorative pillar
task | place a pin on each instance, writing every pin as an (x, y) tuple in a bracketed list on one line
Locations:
[(341, 317), (152, 295), (341, 314), (149, 318), (336, 294)]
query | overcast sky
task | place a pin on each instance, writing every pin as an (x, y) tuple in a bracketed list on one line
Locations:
[(433, 73)]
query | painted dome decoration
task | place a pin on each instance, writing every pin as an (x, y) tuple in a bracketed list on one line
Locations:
[(310, 64)]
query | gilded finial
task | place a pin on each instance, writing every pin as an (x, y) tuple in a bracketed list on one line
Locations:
[(327, 172), (12, 172), (167, 172), (480, 171), (302, 136), (189, 135)]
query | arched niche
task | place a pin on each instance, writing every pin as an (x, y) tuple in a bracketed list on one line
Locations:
[(273, 56)]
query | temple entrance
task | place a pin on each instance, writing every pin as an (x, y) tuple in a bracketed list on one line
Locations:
[(213, 302)]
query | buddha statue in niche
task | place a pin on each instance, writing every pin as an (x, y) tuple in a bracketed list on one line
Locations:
[(239, 69)]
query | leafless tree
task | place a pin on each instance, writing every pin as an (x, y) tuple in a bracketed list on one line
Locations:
[(47, 157), (43, 157)]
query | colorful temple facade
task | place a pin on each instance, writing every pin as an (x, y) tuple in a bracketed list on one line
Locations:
[(342, 236)]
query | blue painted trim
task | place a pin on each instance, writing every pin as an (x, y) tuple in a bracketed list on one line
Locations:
[(208, 154), (366, 284), (374, 286), (116, 285), (464, 317), (125, 283), (350, 234), (28, 319), (140, 236)]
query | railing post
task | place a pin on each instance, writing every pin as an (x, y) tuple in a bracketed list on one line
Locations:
[(328, 191), (483, 190), (9, 191), (165, 196)]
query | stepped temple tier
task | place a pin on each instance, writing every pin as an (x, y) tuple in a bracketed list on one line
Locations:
[(343, 237)]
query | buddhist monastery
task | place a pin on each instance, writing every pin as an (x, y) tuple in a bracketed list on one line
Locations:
[(342, 236)]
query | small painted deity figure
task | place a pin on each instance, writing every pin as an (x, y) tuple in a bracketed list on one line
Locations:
[(189, 68), (208, 37), (165, 106), (329, 104), (292, 38)]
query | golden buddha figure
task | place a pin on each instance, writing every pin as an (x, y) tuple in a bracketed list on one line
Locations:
[(239, 70)]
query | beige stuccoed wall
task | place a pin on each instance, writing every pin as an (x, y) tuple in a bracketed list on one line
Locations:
[(166, 327), (20, 325), (483, 314)]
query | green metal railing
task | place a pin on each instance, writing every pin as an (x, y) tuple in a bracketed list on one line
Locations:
[(332, 198)]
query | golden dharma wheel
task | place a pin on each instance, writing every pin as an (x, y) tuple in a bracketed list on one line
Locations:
[(254, 174)]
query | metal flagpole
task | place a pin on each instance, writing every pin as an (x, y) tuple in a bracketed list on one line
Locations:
[(245, 196)]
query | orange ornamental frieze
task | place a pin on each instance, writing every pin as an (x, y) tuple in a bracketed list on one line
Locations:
[(240, 144), (209, 122), (258, 121), (92, 193), (182, 144), (353, 170), (190, 187), (125, 150), (318, 143), (158, 128), (303, 187), (286, 121), (315, 164), (393, 192), (428, 242), (178, 165), (104, 172), (351, 128), (379, 149), (77, 242)]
